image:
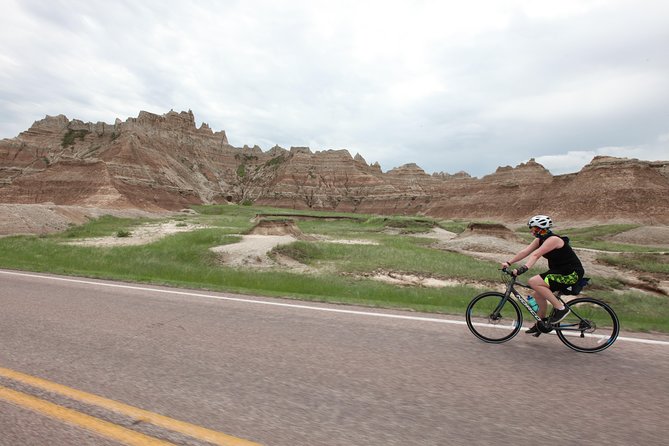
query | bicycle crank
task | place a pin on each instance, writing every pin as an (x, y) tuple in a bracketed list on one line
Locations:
[(544, 327)]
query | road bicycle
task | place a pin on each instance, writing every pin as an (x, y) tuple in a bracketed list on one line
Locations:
[(591, 326)]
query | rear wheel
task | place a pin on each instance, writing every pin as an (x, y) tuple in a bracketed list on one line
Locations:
[(490, 323), (590, 327)]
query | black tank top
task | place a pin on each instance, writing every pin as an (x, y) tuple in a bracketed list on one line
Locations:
[(563, 259)]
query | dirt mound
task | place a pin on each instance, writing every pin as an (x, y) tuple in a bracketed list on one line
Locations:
[(645, 235), (491, 230), (252, 250), (487, 246), (279, 227), (48, 218)]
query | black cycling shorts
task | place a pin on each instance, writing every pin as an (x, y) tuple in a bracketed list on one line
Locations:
[(559, 281)]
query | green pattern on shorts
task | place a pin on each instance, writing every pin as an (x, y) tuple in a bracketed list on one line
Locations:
[(562, 279)]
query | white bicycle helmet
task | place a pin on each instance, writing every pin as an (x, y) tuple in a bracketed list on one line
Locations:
[(540, 221)]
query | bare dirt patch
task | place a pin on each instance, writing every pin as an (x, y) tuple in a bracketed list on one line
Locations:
[(140, 235), (438, 234), (252, 250), (645, 236), (50, 218), (327, 239), (405, 279), (489, 229), (278, 227)]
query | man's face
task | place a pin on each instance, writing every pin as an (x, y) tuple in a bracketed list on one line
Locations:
[(535, 230)]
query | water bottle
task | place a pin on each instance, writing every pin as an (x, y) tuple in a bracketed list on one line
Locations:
[(533, 303)]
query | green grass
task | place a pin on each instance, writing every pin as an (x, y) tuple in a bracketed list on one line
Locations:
[(594, 238), (185, 260), (635, 257), (637, 311), (401, 254), (103, 226), (650, 263), (585, 235), (456, 226)]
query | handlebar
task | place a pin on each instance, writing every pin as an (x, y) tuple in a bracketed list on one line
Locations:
[(513, 278), (509, 273)]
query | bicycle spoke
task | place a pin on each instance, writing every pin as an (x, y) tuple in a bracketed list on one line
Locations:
[(591, 326), (488, 322)]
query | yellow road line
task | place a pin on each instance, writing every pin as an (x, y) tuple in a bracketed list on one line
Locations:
[(105, 428), (183, 427)]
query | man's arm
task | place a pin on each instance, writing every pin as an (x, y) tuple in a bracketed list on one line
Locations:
[(550, 244), (522, 254)]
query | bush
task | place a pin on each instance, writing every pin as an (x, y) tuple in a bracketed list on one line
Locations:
[(71, 135)]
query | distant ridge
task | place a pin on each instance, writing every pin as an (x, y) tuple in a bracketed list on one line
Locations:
[(155, 162)]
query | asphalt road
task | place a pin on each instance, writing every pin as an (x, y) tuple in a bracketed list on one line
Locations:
[(281, 372)]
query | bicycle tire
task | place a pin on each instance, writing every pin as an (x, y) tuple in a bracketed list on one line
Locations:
[(489, 328), (590, 327)]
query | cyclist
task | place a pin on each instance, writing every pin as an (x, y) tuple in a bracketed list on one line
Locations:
[(564, 268)]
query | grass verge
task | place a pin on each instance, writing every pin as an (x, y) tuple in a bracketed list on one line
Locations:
[(185, 260)]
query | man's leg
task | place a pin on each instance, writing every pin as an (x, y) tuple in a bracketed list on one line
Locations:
[(542, 294)]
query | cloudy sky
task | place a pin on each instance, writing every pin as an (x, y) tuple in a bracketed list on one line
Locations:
[(448, 85)]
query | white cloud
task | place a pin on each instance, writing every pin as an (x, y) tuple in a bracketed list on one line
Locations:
[(600, 96), (450, 85), (573, 161)]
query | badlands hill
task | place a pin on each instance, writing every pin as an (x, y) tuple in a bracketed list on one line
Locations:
[(155, 163)]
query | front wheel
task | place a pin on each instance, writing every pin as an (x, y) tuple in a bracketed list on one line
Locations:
[(491, 323), (590, 327)]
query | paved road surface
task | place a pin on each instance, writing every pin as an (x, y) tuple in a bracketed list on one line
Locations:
[(291, 375)]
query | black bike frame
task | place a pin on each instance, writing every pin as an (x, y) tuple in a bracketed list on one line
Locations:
[(510, 289)]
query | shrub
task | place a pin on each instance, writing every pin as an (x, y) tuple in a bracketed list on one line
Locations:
[(71, 135)]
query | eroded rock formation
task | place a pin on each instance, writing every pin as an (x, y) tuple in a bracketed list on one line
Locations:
[(165, 162)]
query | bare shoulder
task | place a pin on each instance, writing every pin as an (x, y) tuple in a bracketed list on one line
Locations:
[(554, 242)]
